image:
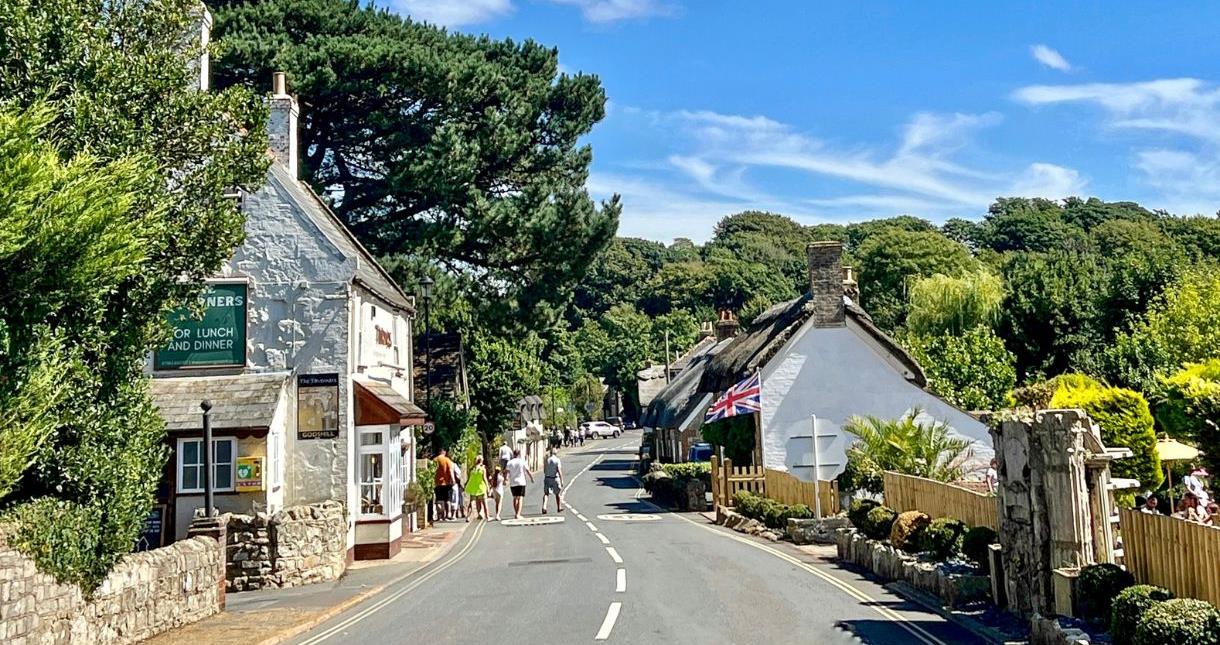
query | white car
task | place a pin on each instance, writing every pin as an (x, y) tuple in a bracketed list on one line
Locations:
[(600, 429)]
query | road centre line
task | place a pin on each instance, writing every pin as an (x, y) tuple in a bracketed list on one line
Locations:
[(620, 584), (604, 539), (608, 623), (590, 525), (414, 584), (582, 517), (614, 555), (582, 471)]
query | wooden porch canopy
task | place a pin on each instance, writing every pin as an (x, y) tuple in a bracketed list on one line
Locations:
[(379, 404)]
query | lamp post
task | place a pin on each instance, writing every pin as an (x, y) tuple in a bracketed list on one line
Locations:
[(206, 406), (425, 289)]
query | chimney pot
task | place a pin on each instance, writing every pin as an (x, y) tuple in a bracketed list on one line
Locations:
[(826, 283), (282, 123), (279, 83), (727, 326)]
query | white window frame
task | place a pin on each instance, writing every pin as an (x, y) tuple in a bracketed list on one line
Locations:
[(390, 452), (232, 441), (275, 460)]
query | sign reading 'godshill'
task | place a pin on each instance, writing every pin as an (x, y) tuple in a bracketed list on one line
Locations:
[(218, 339)]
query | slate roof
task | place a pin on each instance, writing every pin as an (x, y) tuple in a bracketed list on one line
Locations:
[(390, 397), (369, 273), (448, 365), (239, 401)]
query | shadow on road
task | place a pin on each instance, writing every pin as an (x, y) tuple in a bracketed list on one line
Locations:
[(885, 632), (622, 482), (614, 464)]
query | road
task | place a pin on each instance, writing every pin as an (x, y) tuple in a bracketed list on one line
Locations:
[(658, 577)]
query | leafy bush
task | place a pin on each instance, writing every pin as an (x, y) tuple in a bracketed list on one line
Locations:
[(975, 545), (878, 522), (972, 369), (1181, 621), (768, 511), (943, 537), (63, 537), (908, 445), (682, 473), (1187, 405), (1125, 421), (1129, 607), (907, 530), (1098, 585), (858, 510)]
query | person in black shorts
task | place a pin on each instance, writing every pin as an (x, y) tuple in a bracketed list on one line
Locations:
[(518, 473)]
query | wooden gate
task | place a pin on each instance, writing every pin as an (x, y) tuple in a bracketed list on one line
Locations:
[(727, 479)]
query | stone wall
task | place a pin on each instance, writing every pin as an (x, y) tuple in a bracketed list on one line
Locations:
[(145, 594), (297, 546), (953, 587)]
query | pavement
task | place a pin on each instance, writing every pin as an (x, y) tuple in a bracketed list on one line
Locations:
[(618, 569), (271, 616)]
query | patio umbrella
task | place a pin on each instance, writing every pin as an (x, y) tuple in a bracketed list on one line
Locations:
[(1172, 451)]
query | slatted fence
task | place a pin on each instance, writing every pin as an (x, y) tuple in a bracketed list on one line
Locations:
[(938, 499), (1181, 556), (727, 479), (786, 489)]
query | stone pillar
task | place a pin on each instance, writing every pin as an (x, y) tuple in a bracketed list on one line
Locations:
[(217, 529)]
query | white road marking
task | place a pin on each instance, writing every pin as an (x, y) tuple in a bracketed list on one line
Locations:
[(604, 539), (608, 623), (534, 521), (630, 517), (582, 517), (620, 584), (478, 531), (614, 555), (591, 527), (582, 471)]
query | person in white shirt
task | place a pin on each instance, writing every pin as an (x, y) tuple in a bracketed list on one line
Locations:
[(552, 481), (993, 477), (518, 472), (506, 453), (1194, 484)]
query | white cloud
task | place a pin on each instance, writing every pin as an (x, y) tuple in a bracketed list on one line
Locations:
[(616, 10), (452, 13), (1050, 58)]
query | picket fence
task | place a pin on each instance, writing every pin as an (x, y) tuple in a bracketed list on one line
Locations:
[(1181, 556), (938, 499), (727, 479)]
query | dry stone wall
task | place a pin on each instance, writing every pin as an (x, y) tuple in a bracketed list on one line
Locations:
[(297, 546), (145, 594)]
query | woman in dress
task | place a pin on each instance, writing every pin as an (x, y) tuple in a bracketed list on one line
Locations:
[(497, 490), (476, 488)]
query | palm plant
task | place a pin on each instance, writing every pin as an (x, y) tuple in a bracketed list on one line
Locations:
[(906, 445)]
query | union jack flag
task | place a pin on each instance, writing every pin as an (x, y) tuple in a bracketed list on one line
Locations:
[(743, 398)]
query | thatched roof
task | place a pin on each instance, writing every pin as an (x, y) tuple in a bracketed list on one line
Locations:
[(682, 398)]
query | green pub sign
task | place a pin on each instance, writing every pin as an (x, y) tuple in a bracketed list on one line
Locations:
[(218, 339)]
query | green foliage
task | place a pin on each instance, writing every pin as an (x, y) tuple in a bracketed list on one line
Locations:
[(944, 305), (451, 420), (878, 523), (735, 434), (971, 369), (768, 511), (427, 479), (1098, 584), (687, 471), (906, 445), (1125, 421), (436, 144), (586, 389), (501, 371), (62, 536), (892, 258), (858, 511), (974, 545), (943, 537), (1187, 406), (1181, 621), (907, 532), (1129, 607)]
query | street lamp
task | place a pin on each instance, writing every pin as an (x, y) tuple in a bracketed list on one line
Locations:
[(206, 406), (425, 289)]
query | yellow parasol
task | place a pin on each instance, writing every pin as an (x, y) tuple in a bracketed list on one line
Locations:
[(1174, 451)]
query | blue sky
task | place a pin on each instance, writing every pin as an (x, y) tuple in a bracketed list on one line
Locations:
[(844, 111)]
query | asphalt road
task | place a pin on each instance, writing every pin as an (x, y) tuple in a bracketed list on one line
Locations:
[(657, 577)]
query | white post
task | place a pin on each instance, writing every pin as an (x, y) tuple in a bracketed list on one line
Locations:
[(817, 471)]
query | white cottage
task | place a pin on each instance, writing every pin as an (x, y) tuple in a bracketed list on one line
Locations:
[(304, 351), (820, 356)]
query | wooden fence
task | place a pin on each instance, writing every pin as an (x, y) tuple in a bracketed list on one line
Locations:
[(938, 499), (786, 489), (1180, 556), (727, 479)]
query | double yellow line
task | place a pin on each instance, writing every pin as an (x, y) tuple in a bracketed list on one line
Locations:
[(413, 585), (889, 614)]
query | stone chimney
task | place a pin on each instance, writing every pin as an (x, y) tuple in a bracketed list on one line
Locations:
[(706, 330), (282, 124), (727, 326), (826, 282)]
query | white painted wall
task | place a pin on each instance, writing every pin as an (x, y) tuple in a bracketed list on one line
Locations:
[(836, 373)]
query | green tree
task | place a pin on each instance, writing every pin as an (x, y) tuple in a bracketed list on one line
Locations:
[(121, 79), (586, 395), (457, 148), (941, 304), (735, 435), (500, 372), (971, 369), (1186, 404), (891, 258)]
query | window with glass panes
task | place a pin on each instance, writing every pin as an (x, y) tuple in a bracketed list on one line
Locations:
[(190, 464)]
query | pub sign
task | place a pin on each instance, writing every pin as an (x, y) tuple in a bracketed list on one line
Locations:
[(218, 339)]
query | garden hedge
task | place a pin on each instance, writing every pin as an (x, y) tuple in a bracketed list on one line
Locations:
[(858, 511), (878, 522), (943, 537), (1187, 406), (1129, 607), (768, 511), (975, 543), (1098, 585), (1181, 621), (1125, 420), (908, 529)]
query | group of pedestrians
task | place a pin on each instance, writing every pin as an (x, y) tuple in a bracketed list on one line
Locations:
[(479, 485), (1195, 505), (575, 437)]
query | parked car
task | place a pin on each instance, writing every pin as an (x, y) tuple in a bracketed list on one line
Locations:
[(701, 451), (616, 422), (601, 429)]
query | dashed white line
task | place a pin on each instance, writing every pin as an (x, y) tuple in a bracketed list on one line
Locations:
[(604, 539), (614, 555), (582, 517), (591, 527), (608, 623), (620, 584)]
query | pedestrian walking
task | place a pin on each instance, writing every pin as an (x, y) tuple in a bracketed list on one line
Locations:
[(518, 471), (567, 436), (497, 490), (443, 481), (476, 489), (455, 493), (552, 481), (506, 453)]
